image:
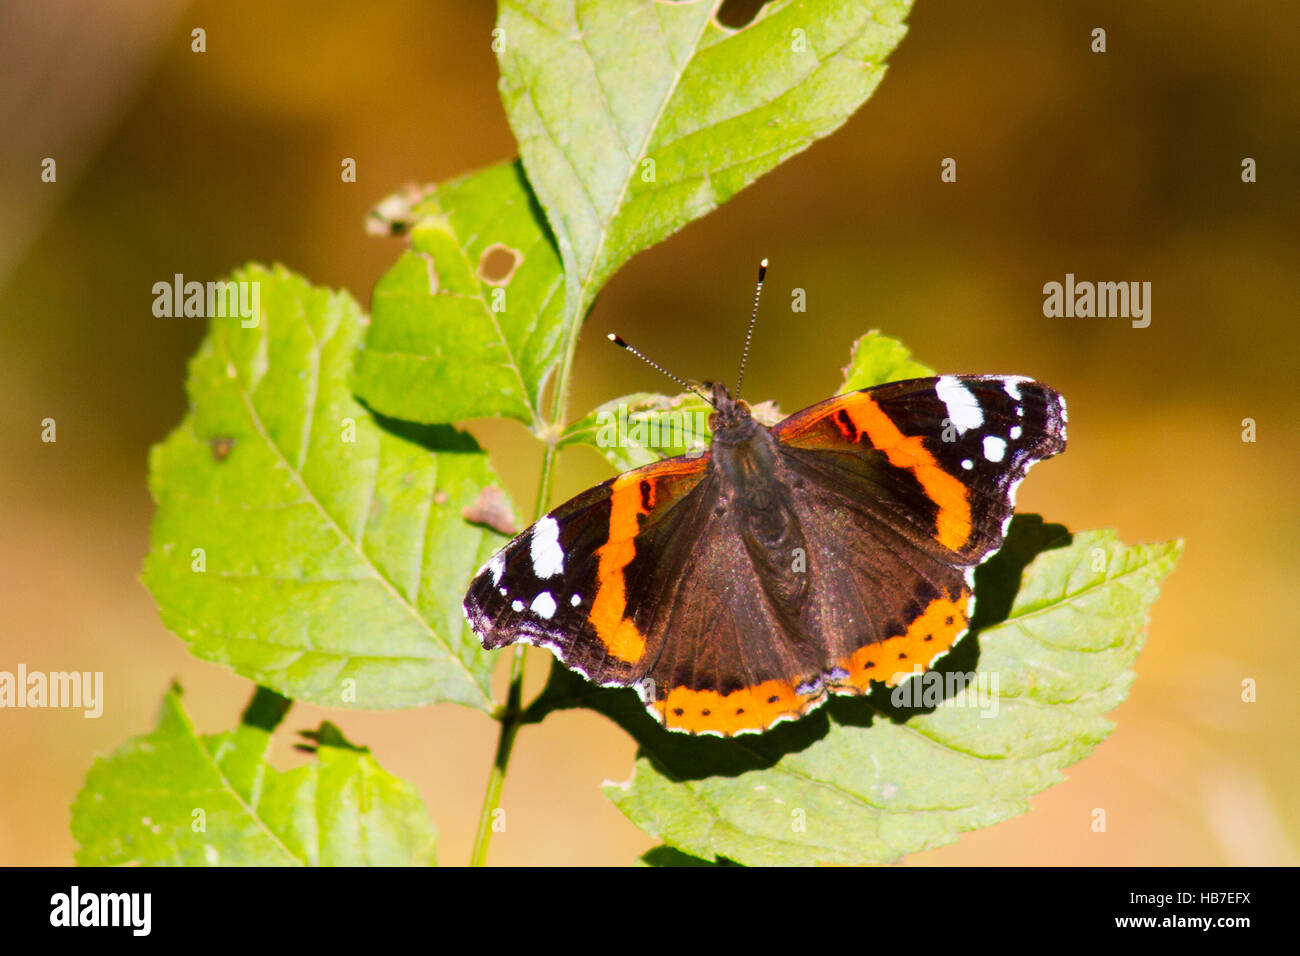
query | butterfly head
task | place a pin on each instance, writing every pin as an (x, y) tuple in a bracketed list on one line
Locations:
[(730, 421)]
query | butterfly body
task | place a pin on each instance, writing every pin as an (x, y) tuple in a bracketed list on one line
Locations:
[(739, 588)]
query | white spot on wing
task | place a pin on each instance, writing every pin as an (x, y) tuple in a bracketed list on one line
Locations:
[(575, 600), (963, 408), (994, 447), (967, 464), (1012, 387), (548, 556), (1015, 432), (498, 567), (543, 605), (517, 606)]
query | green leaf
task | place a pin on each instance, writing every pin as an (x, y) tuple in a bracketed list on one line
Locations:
[(299, 542), (456, 330), (634, 118), (877, 359), (644, 427), (177, 798), (1058, 625)]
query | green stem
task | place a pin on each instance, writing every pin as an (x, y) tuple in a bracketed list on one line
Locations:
[(511, 714), (505, 743)]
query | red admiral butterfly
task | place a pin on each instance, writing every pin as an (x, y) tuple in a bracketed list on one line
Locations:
[(740, 588)]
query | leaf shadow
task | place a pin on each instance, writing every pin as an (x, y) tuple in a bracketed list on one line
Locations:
[(664, 855), (265, 710), (683, 757), (535, 207), (434, 438), (327, 735)]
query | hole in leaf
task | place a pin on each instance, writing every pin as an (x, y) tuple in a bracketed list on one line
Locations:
[(738, 14), (498, 263)]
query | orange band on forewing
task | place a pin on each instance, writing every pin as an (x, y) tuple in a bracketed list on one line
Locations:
[(953, 522), (750, 708), (619, 635), (930, 635)]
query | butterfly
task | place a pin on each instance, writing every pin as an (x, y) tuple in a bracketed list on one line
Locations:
[(741, 587)]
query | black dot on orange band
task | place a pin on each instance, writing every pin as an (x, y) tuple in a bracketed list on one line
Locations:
[(678, 711), (902, 657), (705, 712), (948, 619), (868, 664), (740, 710), (847, 427), (929, 637), (773, 699), (645, 495)]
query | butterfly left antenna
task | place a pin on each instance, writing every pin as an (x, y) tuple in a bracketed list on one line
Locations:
[(655, 365), (758, 292)]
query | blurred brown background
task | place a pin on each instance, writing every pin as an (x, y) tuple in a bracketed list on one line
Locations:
[(1119, 166)]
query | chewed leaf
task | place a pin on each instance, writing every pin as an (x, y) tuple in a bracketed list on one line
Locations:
[(869, 781), (319, 554), (877, 359), (174, 797), (467, 323), (635, 118)]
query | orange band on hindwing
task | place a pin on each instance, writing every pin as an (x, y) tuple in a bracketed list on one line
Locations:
[(953, 522), (929, 636), (629, 497), (749, 708)]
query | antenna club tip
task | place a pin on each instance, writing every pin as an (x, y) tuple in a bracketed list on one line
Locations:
[(763, 264)]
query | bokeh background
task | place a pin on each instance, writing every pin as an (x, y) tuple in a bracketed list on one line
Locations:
[(1117, 166)]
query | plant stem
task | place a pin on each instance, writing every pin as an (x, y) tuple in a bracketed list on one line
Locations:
[(511, 713), (505, 743)]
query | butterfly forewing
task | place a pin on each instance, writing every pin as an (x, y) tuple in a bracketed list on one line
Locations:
[(965, 441), (565, 582)]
